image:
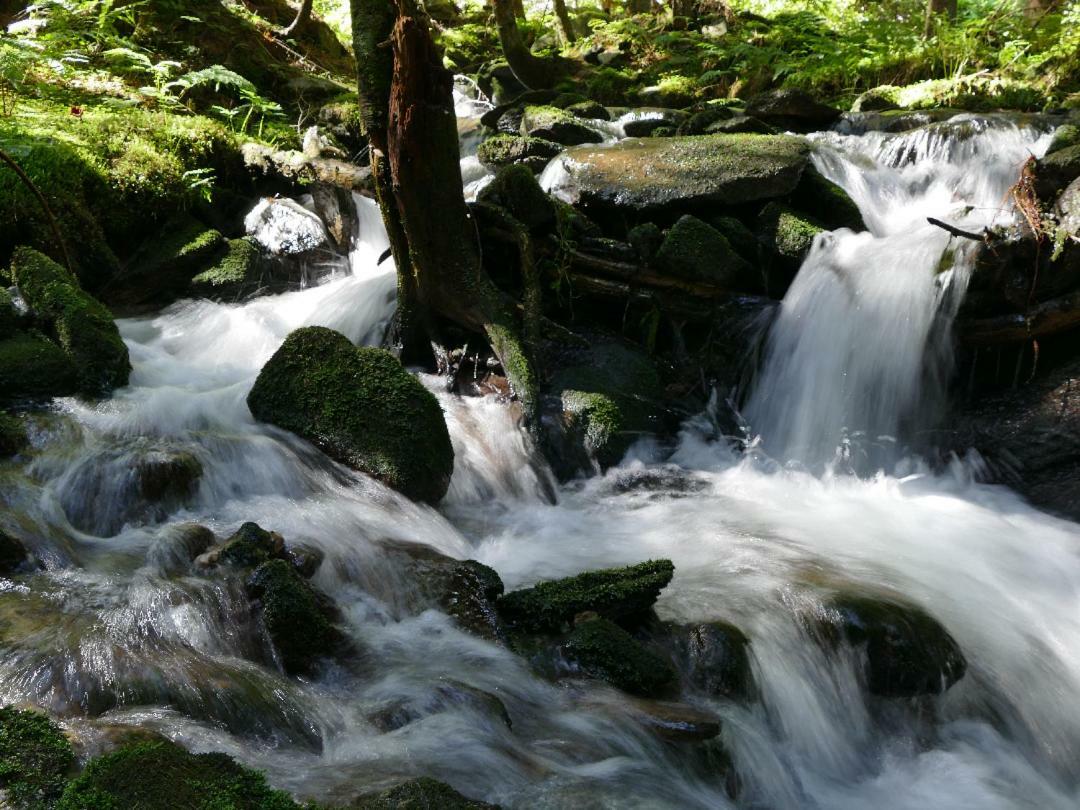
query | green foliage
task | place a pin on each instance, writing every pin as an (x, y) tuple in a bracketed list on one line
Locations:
[(35, 758)]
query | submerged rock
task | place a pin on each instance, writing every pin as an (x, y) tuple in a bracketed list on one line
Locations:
[(504, 150), (448, 695), (676, 721), (643, 122), (560, 126), (422, 793), (84, 329), (908, 652), (600, 649), (361, 407), (163, 776), (624, 594), (36, 759), (680, 173)]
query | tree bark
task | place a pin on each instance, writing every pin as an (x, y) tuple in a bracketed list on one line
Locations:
[(935, 8), (532, 71), (303, 16), (566, 25)]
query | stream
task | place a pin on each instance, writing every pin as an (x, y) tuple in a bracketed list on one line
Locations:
[(114, 633)]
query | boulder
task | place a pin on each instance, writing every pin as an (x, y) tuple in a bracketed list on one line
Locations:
[(84, 329), (295, 616), (718, 660), (793, 110), (251, 545), (36, 759), (646, 239), (739, 124), (33, 368), (361, 407), (696, 123), (236, 274), (624, 594), (176, 546), (589, 110), (515, 189), (305, 559), (422, 793), (908, 652), (740, 237), (283, 227), (13, 554), (832, 206), (877, 99), (163, 776), (1064, 136), (447, 695), (787, 237), (503, 150), (560, 126), (683, 173), (644, 121), (1056, 171), (598, 648), (695, 251)]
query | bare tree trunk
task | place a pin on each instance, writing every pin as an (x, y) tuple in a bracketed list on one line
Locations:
[(934, 9), (303, 16), (566, 25), (532, 71)]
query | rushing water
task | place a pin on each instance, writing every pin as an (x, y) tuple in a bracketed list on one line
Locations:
[(117, 630)]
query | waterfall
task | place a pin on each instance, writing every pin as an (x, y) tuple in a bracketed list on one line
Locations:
[(851, 358)]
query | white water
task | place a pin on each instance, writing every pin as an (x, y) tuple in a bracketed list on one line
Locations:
[(752, 544)]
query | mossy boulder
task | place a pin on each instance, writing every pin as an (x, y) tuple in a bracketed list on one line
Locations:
[(1064, 136), (1056, 170), (423, 793), (698, 122), (599, 648), (979, 92), (877, 99), (624, 594), (251, 545), (84, 328), (235, 274), (35, 759), (503, 150), (738, 125), (163, 776), (33, 368), (684, 173), (516, 189), (361, 407), (295, 617), (908, 652), (740, 237), (695, 251), (787, 232), (718, 660), (832, 206), (792, 109), (589, 109), (560, 126)]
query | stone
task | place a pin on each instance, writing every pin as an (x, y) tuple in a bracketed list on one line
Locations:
[(33, 368), (832, 206), (676, 722), (560, 126), (589, 110), (644, 121), (251, 545), (422, 793), (1056, 171), (236, 274), (599, 648), (793, 110), (695, 251), (515, 188), (718, 660), (503, 150), (13, 554)]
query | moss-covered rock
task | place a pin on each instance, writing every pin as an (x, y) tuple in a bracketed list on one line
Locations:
[(614, 593), (515, 189), (695, 251), (601, 649), (560, 126), (33, 368), (251, 545), (13, 554), (979, 92), (503, 150), (792, 109), (234, 275), (877, 99), (1065, 136), (84, 328), (787, 233), (698, 122), (163, 776), (908, 652), (422, 793), (656, 174), (35, 759), (360, 407), (1056, 170), (296, 619), (718, 660), (738, 125), (643, 122), (832, 206), (740, 237), (589, 109), (168, 476)]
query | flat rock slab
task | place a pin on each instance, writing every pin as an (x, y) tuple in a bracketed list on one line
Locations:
[(650, 174)]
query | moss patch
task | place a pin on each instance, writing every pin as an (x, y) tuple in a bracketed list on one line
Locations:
[(295, 620), (516, 189), (787, 232), (832, 206), (502, 150), (695, 251), (33, 368), (560, 126), (237, 273), (35, 759), (616, 593), (359, 406), (163, 776), (601, 649), (165, 266)]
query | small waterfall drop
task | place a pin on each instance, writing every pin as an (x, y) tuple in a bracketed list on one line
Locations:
[(847, 360)]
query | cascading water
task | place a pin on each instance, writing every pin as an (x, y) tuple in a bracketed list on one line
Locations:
[(120, 629)]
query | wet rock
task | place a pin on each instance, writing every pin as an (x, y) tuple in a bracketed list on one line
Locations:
[(908, 653), (449, 695), (1057, 170), (739, 124), (251, 545), (643, 122), (33, 368), (560, 126), (163, 776), (624, 594), (13, 554), (361, 407), (832, 206), (168, 475), (305, 559), (676, 722), (1064, 137), (283, 227), (698, 122), (738, 236), (695, 251), (178, 545), (787, 237), (667, 479), (295, 616), (683, 173), (600, 649), (589, 110), (718, 660), (238, 273), (337, 210), (516, 189), (84, 329), (293, 168), (36, 759), (423, 793), (793, 110), (646, 239), (504, 150)]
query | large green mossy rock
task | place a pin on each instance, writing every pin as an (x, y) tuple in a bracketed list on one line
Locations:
[(234, 275), (652, 174), (695, 251), (35, 759), (33, 368), (423, 793), (908, 652), (84, 328), (295, 618), (163, 776), (787, 232), (359, 406), (504, 150), (614, 593), (599, 648)]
